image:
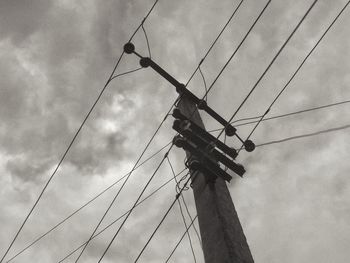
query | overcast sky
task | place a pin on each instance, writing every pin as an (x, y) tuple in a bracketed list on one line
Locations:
[(55, 57)]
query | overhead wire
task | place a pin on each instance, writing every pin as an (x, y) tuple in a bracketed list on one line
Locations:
[(85, 205), (181, 211), (140, 157), (120, 217), (135, 203), (210, 48), (283, 115), (113, 77), (237, 48), (170, 180), (298, 69), (304, 135), (185, 185), (165, 215), (63, 157), (120, 189), (191, 218), (180, 240), (271, 63), (75, 136)]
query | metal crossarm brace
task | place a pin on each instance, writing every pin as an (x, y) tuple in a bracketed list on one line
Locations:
[(206, 135), (203, 146), (181, 89), (205, 161)]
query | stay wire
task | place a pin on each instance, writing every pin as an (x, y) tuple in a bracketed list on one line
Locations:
[(298, 69), (181, 211), (120, 217), (271, 63), (63, 157), (135, 203), (165, 215), (182, 237), (83, 206)]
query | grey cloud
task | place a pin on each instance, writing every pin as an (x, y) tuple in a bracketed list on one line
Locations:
[(20, 19)]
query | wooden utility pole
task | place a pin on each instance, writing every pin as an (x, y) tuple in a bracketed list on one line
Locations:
[(223, 239), (222, 235)]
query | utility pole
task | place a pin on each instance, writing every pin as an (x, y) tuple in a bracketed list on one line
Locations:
[(222, 235), (223, 240)]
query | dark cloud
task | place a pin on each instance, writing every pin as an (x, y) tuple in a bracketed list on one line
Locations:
[(55, 59)]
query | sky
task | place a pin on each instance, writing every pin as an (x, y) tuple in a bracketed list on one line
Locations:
[(55, 57)]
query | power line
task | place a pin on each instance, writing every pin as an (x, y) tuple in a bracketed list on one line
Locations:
[(135, 203), (182, 237), (185, 86), (181, 211), (236, 50), (120, 217), (86, 204), (214, 42), (297, 70), (141, 25), (165, 215), (178, 195), (115, 197), (143, 152), (75, 136), (63, 156), (242, 124), (271, 63), (284, 115), (305, 135), (191, 218)]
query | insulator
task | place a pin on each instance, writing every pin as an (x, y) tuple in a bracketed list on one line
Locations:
[(178, 115), (194, 164), (129, 48), (145, 62), (249, 146), (180, 88), (178, 141), (176, 125), (202, 104), (230, 130)]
